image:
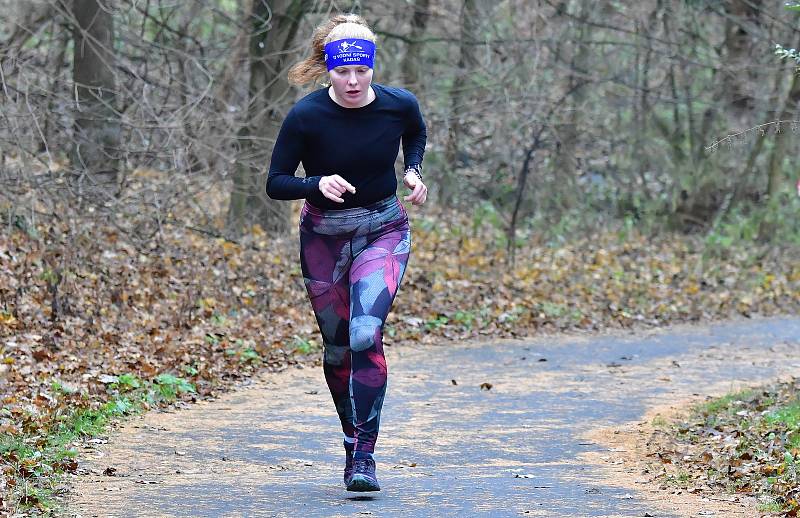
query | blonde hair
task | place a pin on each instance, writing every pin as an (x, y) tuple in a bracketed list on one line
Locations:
[(341, 26)]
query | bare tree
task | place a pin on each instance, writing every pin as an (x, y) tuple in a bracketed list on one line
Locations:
[(568, 131), (412, 58), (96, 150), (783, 136), (743, 23), (536, 107), (467, 64), (274, 25)]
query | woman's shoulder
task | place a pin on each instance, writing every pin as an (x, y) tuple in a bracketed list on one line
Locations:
[(310, 102), (401, 95)]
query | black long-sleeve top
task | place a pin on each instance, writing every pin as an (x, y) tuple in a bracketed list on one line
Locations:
[(359, 144)]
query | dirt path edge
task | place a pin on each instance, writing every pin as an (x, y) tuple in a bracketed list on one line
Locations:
[(628, 460)]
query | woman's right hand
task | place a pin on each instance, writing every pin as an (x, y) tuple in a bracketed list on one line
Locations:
[(333, 186)]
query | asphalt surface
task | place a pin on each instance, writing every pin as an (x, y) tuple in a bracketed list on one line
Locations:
[(447, 446)]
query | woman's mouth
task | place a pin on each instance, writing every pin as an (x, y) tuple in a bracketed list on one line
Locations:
[(353, 92)]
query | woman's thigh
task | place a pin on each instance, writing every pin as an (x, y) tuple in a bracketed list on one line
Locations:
[(375, 275), (325, 263)]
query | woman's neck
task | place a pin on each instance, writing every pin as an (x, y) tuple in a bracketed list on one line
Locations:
[(370, 97)]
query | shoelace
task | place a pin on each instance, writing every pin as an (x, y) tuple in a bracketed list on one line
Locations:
[(364, 465)]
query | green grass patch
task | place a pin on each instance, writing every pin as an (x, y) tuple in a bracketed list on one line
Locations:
[(170, 387), (787, 415), (746, 442), (35, 458), (681, 479), (303, 345), (724, 403), (464, 318), (436, 322), (770, 506), (660, 422)]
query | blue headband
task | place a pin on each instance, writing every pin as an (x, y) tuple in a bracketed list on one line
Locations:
[(349, 52)]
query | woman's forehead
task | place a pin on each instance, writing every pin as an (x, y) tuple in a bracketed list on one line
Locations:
[(350, 67)]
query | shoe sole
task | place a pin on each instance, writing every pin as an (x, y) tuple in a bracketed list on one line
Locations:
[(361, 483)]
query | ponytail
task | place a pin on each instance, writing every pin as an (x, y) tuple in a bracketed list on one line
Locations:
[(313, 67)]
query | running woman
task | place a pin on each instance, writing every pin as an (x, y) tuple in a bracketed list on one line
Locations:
[(354, 232)]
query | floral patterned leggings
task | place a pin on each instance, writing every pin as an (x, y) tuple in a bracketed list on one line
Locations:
[(353, 261)]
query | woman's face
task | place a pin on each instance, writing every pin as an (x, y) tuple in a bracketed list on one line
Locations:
[(351, 84)]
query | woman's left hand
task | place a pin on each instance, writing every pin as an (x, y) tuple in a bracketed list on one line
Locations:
[(419, 190)]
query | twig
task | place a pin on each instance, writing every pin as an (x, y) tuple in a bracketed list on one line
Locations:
[(760, 127)]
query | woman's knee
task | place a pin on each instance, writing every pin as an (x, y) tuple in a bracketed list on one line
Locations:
[(335, 355), (365, 331)]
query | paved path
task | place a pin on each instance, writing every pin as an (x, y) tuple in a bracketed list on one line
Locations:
[(272, 449)]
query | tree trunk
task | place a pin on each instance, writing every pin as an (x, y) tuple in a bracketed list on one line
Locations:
[(274, 26), (467, 62), (567, 130), (738, 76), (749, 183), (783, 136), (95, 155), (419, 22)]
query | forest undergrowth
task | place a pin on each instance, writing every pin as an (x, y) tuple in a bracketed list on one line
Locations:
[(95, 325)]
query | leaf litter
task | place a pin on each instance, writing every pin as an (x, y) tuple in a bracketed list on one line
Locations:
[(92, 319), (747, 443)]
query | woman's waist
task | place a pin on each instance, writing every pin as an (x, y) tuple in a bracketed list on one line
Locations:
[(369, 210)]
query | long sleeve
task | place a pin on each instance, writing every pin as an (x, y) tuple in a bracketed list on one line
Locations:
[(282, 184), (415, 136)]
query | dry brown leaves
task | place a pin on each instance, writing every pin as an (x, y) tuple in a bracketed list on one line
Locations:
[(81, 302), (746, 443)]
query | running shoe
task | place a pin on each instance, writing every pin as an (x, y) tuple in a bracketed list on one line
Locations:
[(363, 478)]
